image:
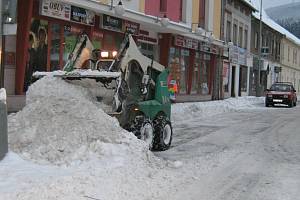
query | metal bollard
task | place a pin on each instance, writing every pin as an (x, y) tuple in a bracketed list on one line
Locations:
[(3, 124)]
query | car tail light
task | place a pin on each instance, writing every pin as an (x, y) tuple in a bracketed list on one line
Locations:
[(286, 96)]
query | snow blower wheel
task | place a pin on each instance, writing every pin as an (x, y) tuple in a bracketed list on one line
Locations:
[(147, 134), (163, 134)]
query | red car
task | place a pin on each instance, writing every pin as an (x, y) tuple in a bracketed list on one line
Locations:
[(281, 93)]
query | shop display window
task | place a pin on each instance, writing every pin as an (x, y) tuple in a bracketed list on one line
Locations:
[(55, 47), (179, 64), (9, 11), (243, 78), (200, 82)]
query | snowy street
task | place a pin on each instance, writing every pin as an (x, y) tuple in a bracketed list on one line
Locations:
[(252, 154), (230, 149)]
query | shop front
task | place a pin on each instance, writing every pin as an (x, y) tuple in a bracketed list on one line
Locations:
[(240, 68), (192, 66), (52, 31)]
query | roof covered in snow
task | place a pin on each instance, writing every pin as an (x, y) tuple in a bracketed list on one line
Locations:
[(2, 95), (271, 23), (250, 4)]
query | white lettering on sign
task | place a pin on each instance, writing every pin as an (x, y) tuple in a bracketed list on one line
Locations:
[(56, 6), (55, 9)]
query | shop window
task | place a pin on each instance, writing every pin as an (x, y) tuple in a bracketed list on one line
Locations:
[(70, 38), (226, 77), (37, 49), (200, 83), (38, 41), (9, 11), (55, 47), (147, 50), (179, 65), (243, 79)]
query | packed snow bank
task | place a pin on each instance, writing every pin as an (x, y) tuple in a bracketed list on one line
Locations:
[(79, 72), (183, 111), (3, 95), (62, 122)]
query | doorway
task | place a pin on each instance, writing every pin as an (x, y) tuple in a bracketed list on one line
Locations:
[(233, 82)]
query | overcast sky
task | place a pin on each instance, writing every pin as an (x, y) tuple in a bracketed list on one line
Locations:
[(272, 3)]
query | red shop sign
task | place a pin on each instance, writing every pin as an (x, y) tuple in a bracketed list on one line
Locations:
[(131, 27), (98, 34)]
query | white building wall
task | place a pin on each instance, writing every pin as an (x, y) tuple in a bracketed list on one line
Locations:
[(187, 13), (130, 4), (209, 18)]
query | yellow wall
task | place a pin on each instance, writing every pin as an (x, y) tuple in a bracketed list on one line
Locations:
[(217, 18), (195, 16), (142, 6)]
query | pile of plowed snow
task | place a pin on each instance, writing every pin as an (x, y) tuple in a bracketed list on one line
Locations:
[(204, 109), (62, 123)]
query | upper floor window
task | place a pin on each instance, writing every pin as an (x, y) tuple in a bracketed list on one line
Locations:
[(241, 36), (228, 31), (181, 10), (288, 54), (235, 34), (245, 38), (256, 40), (201, 13), (163, 6)]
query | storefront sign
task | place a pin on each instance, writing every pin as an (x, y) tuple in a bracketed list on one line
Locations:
[(112, 23), (55, 9), (97, 35), (72, 29), (186, 42), (204, 47), (82, 16), (142, 38), (234, 54), (242, 60), (131, 27)]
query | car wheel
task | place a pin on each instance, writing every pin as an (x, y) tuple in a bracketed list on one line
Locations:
[(290, 104), (295, 103)]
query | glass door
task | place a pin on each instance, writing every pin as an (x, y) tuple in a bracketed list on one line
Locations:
[(55, 47)]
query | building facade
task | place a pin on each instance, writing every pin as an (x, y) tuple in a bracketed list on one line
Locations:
[(270, 69), (290, 61), (193, 57), (237, 31)]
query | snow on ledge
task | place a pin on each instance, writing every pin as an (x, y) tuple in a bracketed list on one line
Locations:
[(3, 95)]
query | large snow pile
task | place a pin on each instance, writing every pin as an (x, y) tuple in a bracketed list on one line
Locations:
[(202, 109), (2, 95), (62, 122)]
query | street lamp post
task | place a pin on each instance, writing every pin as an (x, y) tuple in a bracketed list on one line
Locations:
[(258, 90)]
